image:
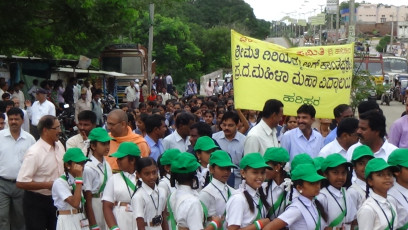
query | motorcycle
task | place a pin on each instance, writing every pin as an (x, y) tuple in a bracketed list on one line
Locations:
[(67, 123), (386, 97), (108, 103)]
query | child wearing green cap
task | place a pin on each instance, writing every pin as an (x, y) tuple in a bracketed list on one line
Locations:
[(184, 206), (149, 202), (398, 194), (305, 212), (275, 189), (216, 194), (164, 164), (361, 155), (248, 207), (377, 212), (67, 192), (121, 188), (96, 173), (333, 196), (203, 148)]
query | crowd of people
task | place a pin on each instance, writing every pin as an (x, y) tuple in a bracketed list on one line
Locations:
[(196, 162)]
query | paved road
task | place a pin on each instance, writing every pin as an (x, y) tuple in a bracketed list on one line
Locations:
[(279, 41)]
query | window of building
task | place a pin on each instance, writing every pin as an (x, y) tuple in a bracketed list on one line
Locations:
[(383, 20)]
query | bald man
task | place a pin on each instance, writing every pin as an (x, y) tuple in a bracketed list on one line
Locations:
[(117, 124)]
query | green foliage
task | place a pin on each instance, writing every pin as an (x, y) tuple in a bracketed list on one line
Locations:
[(361, 88), (382, 45)]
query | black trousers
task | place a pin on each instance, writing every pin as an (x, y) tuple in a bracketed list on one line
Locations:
[(39, 211)]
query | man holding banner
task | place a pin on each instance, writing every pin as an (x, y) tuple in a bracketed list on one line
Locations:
[(320, 75), (264, 134)]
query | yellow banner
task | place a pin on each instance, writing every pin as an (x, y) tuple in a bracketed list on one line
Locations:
[(317, 75)]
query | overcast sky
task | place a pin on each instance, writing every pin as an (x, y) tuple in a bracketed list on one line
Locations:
[(275, 10)]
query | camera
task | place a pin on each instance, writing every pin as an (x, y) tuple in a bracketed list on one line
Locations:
[(157, 220)]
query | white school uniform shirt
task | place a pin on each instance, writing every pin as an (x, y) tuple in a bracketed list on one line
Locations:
[(272, 196), (398, 196), (302, 214), (215, 196), (94, 174), (357, 192), (61, 190), (370, 216), (149, 203), (238, 212), (165, 184), (186, 208), (116, 190), (202, 176), (332, 207)]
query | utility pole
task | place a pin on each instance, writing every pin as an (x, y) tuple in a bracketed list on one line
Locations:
[(150, 47), (352, 23), (392, 32), (337, 23)]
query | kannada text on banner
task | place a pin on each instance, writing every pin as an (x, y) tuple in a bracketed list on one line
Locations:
[(318, 75)]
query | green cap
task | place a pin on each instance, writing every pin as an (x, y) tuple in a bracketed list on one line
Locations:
[(184, 163), (276, 154), (306, 172), (318, 161), (362, 151), (334, 160), (168, 156), (127, 149), (375, 165), (253, 160), (399, 157), (205, 143), (99, 134), (75, 155), (221, 159), (302, 158)]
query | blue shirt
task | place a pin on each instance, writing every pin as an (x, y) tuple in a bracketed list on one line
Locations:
[(295, 142), (331, 136), (234, 147), (156, 149)]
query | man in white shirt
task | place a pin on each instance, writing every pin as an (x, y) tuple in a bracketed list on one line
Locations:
[(132, 95), (14, 144), (169, 82), (32, 91), (86, 122), (371, 130), (179, 139), (19, 94), (165, 95), (40, 108), (346, 137), (26, 124), (3, 89), (264, 134)]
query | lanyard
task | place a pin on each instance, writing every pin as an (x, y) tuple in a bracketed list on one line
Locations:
[(277, 204), (129, 184), (158, 201), (259, 206), (314, 220), (105, 178), (390, 224), (343, 213), (406, 200), (74, 187), (228, 192)]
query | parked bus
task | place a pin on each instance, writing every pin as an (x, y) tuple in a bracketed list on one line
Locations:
[(394, 66)]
